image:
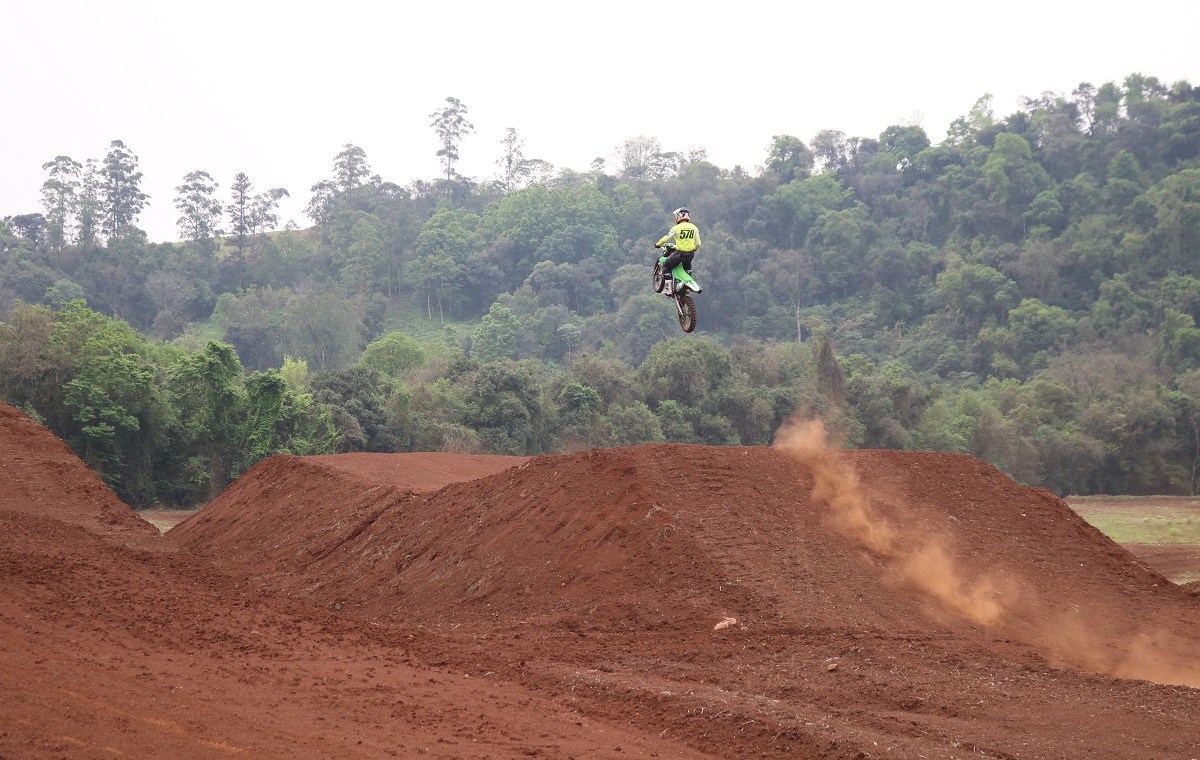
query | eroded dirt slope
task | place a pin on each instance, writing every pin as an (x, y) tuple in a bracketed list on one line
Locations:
[(116, 643), (611, 538), (290, 512), (882, 599), (789, 602)]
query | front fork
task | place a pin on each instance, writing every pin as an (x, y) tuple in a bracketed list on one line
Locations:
[(670, 280)]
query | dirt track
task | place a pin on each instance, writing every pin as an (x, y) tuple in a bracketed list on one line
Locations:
[(887, 604)]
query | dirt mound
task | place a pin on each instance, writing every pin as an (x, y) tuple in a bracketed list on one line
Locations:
[(114, 643), (1175, 561), (289, 513), (677, 581), (40, 475), (784, 603), (616, 538)]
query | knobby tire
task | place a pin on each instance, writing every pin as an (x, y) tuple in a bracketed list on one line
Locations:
[(687, 315)]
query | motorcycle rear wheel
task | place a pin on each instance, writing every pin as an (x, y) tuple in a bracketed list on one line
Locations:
[(687, 313)]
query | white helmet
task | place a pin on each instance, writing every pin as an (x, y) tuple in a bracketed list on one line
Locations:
[(682, 214)]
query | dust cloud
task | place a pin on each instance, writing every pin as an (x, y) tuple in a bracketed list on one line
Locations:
[(922, 559), (924, 562), (1160, 657), (1151, 654)]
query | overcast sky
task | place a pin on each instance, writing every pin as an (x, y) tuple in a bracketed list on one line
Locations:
[(275, 89)]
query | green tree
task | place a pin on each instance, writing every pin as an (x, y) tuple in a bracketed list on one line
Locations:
[(451, 125), (515, 169), (394, 355), (642, 157), (830, 378), (887, 404), (90, 204), (32, 227), (505, 407), (295, 373), (1125, 182), (435, 276), (363, 259), (973, 292), (789, 158), (356, 397), (350, 172), (632, 424), (31, 364), (324, 328), (785, 215), (687, 371), (263, 208), (440, 254), (838, 242), (208, 396), (496, 338), (571, 336), (834, 151), (267, 397), (1176, 232), (1045, 214), (253, 323), (110, 395), (1188, 389), (200, 212), (1012, 178), (323, 203), (579, 416), (121, 181), (239, 219), (1039, 327), (60, 199), (1120, 308)]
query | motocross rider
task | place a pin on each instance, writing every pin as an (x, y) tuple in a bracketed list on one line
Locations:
[(687, 242)]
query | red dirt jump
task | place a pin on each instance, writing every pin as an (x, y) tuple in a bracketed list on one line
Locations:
[(664, 601)]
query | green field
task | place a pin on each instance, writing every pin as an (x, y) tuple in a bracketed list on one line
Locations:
[(1163, 531), (1153, 520)]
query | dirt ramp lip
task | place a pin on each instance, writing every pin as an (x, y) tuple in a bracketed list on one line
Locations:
[(40, 476), (288, 512)]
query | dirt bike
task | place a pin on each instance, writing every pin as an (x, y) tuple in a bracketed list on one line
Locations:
[(677, 284)]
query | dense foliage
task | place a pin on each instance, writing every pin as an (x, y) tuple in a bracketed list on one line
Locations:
[(1026, 291)]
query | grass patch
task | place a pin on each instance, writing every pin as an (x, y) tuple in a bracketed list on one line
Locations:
[(1157, 520), (1136, 529), (410, 316), (197, 334)]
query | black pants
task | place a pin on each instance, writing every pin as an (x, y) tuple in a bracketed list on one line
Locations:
[(677, 256)]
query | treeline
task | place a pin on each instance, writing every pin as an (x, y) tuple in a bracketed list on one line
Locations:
[(163, 424), (1026, 291), (158, 423)]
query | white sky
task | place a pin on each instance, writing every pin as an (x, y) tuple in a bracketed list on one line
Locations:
[(275, 89)]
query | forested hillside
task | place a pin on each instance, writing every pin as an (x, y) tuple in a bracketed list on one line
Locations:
[(1026, 290)]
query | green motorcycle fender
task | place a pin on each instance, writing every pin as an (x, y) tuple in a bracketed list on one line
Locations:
[(679, 273)]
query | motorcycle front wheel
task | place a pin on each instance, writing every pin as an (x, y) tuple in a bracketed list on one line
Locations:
[(659, 281), (687, 313)]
